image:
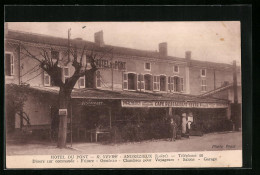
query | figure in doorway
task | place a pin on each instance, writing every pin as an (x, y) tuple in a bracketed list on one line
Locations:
[(173, 129)]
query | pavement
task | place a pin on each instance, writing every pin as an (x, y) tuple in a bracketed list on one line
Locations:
[(207, 142)]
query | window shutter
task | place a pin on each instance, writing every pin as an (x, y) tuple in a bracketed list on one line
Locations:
[(125, 81), (142, 81), (98, 79)]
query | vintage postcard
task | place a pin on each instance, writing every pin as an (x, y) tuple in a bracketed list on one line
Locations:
[(123, 94)]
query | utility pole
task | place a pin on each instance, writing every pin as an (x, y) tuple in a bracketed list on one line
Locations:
[(236, 113)]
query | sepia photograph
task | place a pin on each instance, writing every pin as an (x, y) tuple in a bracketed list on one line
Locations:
[(123, 94)]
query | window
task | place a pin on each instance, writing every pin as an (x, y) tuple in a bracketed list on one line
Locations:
[(176, 69), (170, 84), (140, 82), (176, 84), (162, 83), (181, 84), (9, 64), (46, 79), (203, 85), (66, 73), (148, 82), (81, 82), (55, 55), (131, 81), (203, 72), (98, 79), (147, 66)]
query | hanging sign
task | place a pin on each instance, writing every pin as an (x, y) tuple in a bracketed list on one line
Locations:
[(63, 112), (176, 104)]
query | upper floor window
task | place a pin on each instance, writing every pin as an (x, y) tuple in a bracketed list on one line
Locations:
[(9, 64), (181, 84), (203, 72), (66, 73), (176, 69), (148, 82), (81, 82), (147, 66), (55, 55), (46, 79), (203, 85), (162, 83), (129, 81)]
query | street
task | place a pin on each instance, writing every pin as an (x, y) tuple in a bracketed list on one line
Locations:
[(208, 142)]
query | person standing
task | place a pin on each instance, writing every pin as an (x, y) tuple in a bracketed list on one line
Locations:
[(173, 129)]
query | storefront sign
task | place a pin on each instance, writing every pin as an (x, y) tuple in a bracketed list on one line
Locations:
[(92, 103), (176, 104)]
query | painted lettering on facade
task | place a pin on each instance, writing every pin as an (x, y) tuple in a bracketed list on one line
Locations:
[(103, 63), (177, 104)]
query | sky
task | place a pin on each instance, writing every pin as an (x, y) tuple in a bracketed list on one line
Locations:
[(218, 41)]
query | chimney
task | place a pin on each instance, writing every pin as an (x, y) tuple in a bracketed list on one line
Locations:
[(188, 55), (163, 49), (98, 36)]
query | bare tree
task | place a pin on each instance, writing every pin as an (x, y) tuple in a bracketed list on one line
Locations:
[(52, 67)]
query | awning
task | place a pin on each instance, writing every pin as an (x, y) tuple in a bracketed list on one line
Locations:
[(97, 97)]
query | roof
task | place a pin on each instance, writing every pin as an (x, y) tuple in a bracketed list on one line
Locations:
[(124, 95), (220, 89), (63, 42)]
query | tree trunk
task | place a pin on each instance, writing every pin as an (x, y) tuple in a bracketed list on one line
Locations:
[(64, 97)]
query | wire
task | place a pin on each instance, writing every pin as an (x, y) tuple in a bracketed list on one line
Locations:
[(31, 70), (34, 77)]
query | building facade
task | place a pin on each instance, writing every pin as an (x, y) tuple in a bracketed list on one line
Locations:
[(119, 70)]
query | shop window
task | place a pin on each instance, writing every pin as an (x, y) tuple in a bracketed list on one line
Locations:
[(170, 84), (156, 83), (148, 82), (81, 82), (203, 85), (46, 79), (66, 73), (203, 72), (162, 83), (147, 66), (132, 81), (55, 55), (176, 69), (140, 82), (9, 64), (98, 79)]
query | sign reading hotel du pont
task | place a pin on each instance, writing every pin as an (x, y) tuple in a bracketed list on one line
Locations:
[(177, 104)]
